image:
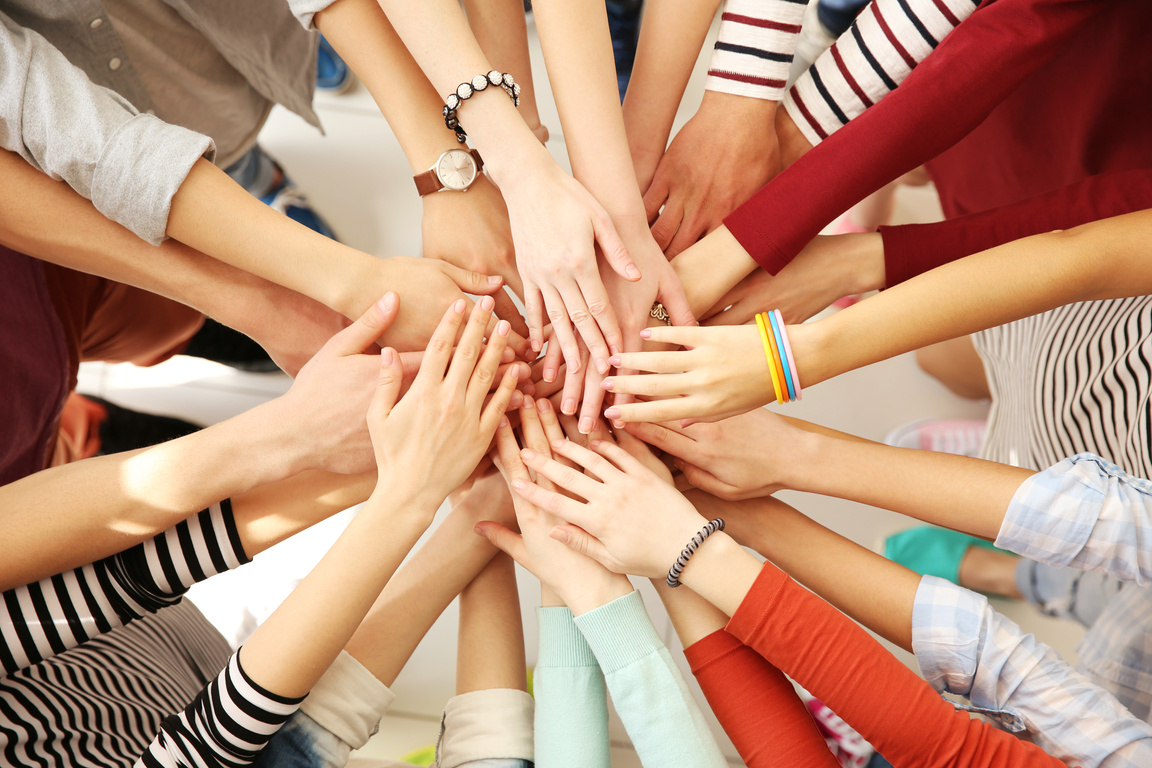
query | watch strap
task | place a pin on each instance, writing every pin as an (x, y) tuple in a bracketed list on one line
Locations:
[(429, 181)]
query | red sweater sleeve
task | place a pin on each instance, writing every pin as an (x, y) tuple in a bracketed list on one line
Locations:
[(756, 705), (843, 666), (942, 100), (915, 248)]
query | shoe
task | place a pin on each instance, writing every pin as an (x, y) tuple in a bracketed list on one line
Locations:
[(126, 430), (221, 344), (332, 74), (932, 551), (624, 26), (287, 198), (962, 437)]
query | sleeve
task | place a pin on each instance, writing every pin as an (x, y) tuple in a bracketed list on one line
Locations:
[(966, 648), (225, 726), (754, 47), (657, 709), (306, 10), (880, 49), (492, 724), (571, 719), (52, 615), (843, 666), (1083, 513), (128, 164), (945, 97), (752, 698), (912, 249)]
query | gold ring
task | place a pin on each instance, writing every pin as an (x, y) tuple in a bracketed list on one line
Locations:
[(660, 313)]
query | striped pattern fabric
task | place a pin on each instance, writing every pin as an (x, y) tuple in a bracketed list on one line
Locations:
[(57, 613), (885, 43), (226, 726), (753, 51)]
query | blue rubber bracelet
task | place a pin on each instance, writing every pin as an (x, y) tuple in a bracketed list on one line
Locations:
[(783, 358)]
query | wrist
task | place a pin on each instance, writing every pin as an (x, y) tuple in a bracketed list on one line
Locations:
[(793, 143), (745, 111), (721, 572), (589, 596), (275, 432), (811, 348), (410, 509), (864, 261), (711, 268)]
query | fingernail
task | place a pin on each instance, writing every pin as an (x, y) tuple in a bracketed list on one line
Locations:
[(595, 443), (503, 328), (560, 535), (478, 530), (585, 425), (387, 302), (606, 384), (549, 375), (487, 303), (529, 404), (601, 365), (535, 344), (678, 463), (544, 405), (645, 334), (504, 421), (568, 407), (527, 454), (574, 366), (458, 307), (614, 361), (495, 279), (515, 399), (387, 356), (507, 355), (519, 485), (556, 445), (633, 272), (528, 388), (612, 413), (619, 424)]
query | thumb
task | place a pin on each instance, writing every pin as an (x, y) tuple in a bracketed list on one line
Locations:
[(473, 282), (370, 326), (387, 384), (676, 302), (579, 540), (613, 248), (502, 538)]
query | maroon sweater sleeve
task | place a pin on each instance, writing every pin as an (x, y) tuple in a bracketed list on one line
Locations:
[(752, 699), (942, 100), (915, 248), (843, 666)]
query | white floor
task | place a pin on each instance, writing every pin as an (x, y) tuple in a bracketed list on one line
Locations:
[(357, 177)]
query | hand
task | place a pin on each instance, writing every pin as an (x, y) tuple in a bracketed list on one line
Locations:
[(742, 457), (556, 225), (828, 268), (428, 443), (722, 373), (619, 512), (580, 582), (425, 287), (297, 332), (333, 390), (718, 160), (471, 231)]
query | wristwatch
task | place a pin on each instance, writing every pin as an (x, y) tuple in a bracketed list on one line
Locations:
[(455, 170)]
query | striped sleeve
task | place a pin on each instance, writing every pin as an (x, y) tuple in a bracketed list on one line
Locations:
[(753, 51), (885, 43), (54, 614), (226, 726)]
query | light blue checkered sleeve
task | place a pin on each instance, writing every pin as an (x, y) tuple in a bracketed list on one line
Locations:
[(1083, 513), (964, 647)]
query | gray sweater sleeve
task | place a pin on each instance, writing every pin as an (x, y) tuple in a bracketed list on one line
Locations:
[(127, 163)]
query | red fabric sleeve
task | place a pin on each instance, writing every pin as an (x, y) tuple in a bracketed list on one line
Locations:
[(942, 100), (915, 248), (756, 705), (844, 667)]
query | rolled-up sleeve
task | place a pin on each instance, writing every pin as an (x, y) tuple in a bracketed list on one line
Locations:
[(1083, 513), (128, 164), (306, 10), (966, 648)]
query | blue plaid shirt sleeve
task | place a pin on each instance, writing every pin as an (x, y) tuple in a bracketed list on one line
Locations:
[(1083, 513), (966, 648)]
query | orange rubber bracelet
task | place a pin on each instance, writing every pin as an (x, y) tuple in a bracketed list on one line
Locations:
[(766, 337), (785, 397)]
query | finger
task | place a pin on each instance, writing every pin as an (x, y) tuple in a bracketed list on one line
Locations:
[(439, 350), (737, 314), (550, 422), (593, 401), (691, 229), (689, 336), (620, 458), (508, 453), (652, 362), (503, 539), (649, 385), (585, 323), (534, 314), (562, 328), (563, 477), (480, 382), (569, 394), (635, 447), (506, 310), (473, 282), (676, 302), (370, 326), (665, 226), (387, 385), (552, 502), (499, 403), (600, 306), (588, 458), (579, 540), (470, 346), (655, 197), (706, 481), (658, 410), (531, 429), (615, 254), (664, 438)]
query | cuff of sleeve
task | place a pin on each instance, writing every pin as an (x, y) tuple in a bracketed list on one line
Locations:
[(710, 649), (139, 171), (484, 725), (306, 10), (754, 610), (349, 701), (1053, 513), (899, 253), (947, 624), (561, 642), (620, 632), (799, 110)]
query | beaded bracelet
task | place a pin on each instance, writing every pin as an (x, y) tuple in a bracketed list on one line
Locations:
[(678, 567), (788, 354), (779, 338), (768, 354), (465, 91)]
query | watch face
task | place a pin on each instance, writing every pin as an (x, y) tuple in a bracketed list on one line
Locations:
[(456, 169)]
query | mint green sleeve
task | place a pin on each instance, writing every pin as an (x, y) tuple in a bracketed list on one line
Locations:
[(666, 726), (571, 720)]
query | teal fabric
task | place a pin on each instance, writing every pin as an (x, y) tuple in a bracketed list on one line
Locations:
[(932, 551), (666, 726)]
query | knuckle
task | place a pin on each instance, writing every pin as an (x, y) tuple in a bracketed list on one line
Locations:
[(440, 346), (598, 307)]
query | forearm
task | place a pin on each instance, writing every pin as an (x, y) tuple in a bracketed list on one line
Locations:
[(501, 29), (711, 268), (490, 648)]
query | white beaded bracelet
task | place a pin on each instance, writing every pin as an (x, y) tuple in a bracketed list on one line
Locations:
[(465, 91)]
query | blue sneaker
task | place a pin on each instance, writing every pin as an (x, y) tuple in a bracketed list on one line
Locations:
[(287, 198), (332, 74)]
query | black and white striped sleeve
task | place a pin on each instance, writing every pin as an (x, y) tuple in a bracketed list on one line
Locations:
[(52, 615), (885, 43), (754, 48), (226, 726)]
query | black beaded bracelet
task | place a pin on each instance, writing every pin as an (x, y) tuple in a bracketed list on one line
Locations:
[(465, 91), (682, 561)]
